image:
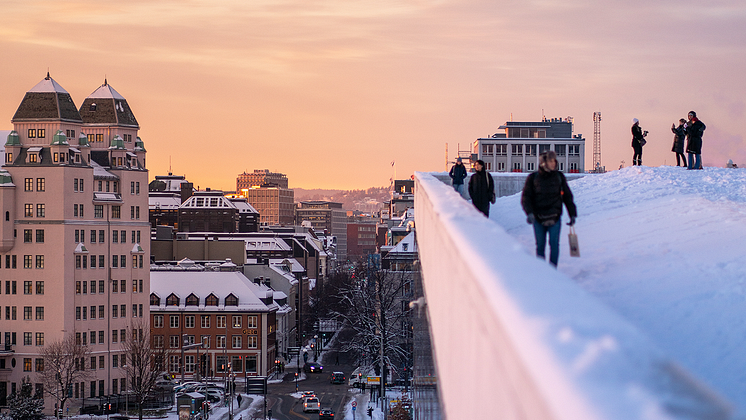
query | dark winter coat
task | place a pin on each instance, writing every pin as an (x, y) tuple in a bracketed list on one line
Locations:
[(637, 137), (694, 134), (543, 195), (481, 190), (458, 173), (678, 139)]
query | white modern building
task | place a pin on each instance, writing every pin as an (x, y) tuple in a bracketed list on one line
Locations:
[(518, 147)]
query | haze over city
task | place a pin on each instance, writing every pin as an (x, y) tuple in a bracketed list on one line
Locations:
[(331, 92)]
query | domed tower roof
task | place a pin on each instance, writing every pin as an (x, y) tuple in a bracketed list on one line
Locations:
[(47, 101), (106, 106), (59, 139)]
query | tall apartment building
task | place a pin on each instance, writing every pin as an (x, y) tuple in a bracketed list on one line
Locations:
[(517, 149), (269, 194), (325, 216), (75, 237)]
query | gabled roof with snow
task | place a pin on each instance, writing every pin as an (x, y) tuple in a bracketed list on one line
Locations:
[(204, 283), (212, 201), (267, 244), (100, 173)]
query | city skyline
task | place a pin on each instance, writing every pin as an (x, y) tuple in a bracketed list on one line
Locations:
[(330, 93)]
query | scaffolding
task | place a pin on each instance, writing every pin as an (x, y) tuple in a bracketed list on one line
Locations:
[(597, 143)]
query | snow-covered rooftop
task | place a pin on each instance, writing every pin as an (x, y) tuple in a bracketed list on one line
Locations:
[(47, 85), (204, 283), (105, 91)]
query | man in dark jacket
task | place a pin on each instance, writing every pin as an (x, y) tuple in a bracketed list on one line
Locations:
[(694, 131), (481, 188), (458, 174), (638, 140), (543, 195)]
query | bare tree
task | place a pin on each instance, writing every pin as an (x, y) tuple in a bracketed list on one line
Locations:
[(64, 365), (144, 362), (377, 309)]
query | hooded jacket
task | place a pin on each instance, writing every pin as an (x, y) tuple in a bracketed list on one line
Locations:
[(694, 134), (544, 193)]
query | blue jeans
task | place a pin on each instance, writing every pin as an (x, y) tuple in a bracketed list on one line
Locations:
[(540, 232), (459, 188), (694, 164)]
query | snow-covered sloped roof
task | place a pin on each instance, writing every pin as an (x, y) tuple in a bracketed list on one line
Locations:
[(204, 283), (165, 202), (267, 244), (291, 263), (407, 245), (100, 173)]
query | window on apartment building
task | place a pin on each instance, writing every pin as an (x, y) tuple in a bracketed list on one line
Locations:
[(236, 341), (573, 150), (27, 311), (28, 184), (40, 313), (27, 287), (559, 149), (41, 210), (32, 133), (251, 321), (116, 212), (27, 338), (174, 342), (27, 236), (251, 341), (220, 342), (517, 150), (41, 133), (236, 321), (39, 261), (205, 321), (41, 184), (27, 364), (39, 287), (27, 261), (39, 236), (173, 321), (98, 212), (221, 321), (530, 166), (157, 321), (28, 210), (40, 339), (501, 149)]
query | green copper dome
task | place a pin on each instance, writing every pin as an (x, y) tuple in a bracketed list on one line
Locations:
[(5, 178), (13, 139), (117, 143), (59, 139), (83, 140), (139, 145)]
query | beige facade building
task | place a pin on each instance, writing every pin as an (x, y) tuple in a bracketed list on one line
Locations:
[(269, 194), (74, 236)]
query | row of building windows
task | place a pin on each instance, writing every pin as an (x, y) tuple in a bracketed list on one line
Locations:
[(174, 341), (189, 321), (82, 287), (529, 149), (117, 311), (28, 312), (37, 133), (28, 210), (530, 166), (28, 287), (28, 184), (117, 236), (117, 261)]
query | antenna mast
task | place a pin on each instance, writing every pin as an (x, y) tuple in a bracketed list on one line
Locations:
[(597, 143)]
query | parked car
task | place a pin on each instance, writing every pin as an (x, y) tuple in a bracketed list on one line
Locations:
[(311, 404), (313, 367), (214, 395), (326, 413), (337, 378)]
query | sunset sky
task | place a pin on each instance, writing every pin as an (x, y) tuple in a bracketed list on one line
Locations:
[(331, 92)]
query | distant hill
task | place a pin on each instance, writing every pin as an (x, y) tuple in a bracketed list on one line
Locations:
[(364, 200)]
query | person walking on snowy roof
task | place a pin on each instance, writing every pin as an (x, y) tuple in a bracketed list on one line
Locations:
[(543, 195), (481, 188), (458, 174), (694, 131), (678, 142), (638, 140)]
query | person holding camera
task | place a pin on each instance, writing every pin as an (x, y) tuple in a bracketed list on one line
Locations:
[(678, 142), (638, 140)]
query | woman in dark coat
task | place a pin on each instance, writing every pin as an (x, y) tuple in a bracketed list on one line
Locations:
[(481, 188), (678, 142), (638, 140), (694, 131)]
